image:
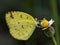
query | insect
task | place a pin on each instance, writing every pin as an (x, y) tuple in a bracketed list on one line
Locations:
[(21, 25)]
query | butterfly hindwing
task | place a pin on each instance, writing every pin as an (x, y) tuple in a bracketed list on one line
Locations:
[(21, 25)]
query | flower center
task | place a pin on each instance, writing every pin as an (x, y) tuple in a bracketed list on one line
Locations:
[(44, 23)]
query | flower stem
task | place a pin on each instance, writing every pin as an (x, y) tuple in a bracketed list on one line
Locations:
[(54, 40)]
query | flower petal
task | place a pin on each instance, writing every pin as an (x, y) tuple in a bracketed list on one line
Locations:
[(51, 22), (44, 28)]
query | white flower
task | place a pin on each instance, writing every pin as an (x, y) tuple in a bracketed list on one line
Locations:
[(45, 23)]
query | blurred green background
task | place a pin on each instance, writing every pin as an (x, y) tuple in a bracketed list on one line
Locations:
[(37, 8)]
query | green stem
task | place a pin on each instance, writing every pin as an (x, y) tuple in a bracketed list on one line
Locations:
[(54, 40), (52, 36)]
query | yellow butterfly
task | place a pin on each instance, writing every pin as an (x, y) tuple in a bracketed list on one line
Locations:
[(21, 25)]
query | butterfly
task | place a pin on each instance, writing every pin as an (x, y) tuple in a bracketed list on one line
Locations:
[(21, 25)]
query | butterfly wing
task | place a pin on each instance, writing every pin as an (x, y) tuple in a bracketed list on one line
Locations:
[(21, 26)]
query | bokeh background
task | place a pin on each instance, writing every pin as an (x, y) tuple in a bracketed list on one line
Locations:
[(37, 8)]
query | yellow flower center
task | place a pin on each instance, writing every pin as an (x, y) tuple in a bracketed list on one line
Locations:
[(44, 23)]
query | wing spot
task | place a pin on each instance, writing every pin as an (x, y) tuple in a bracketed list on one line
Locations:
[(20, 16), (27, 17), (18, 22), (15, 29), (26, 31), (22, 26)]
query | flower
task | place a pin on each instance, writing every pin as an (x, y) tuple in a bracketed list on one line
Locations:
[(45, 23)]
